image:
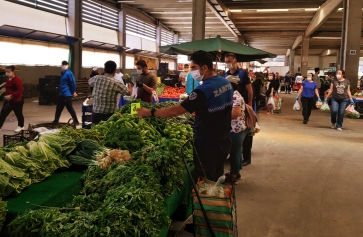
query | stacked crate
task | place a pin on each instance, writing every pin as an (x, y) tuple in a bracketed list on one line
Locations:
[(87, 116), (48, 90), (83, 90)]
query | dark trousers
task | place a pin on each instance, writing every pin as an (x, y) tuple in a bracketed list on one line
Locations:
[(307, 104), (17, 107), (212, 154), (247, 146), (97, 118), (67, 102)]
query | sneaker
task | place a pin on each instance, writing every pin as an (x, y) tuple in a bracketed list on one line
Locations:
[(235, 182), (19, 129), (339, 129), (268, 113), (76, 123), (239, 176), (305, 122), (333, 125), (55, 121)]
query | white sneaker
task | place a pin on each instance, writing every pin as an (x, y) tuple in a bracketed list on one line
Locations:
[(19, 129), (339, 129), (332, 125)]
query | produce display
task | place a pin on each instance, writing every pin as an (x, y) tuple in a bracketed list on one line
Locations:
[(2, 212), (133, 165), (160, 87), (172, 92)]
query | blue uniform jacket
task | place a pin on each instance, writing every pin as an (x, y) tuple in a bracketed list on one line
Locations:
[(67, 85)]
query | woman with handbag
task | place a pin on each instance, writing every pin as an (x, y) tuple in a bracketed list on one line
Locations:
[(239, 130), (341, 96), (271, 91), (307, 91)]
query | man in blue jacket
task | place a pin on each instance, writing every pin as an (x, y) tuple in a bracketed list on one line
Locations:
[(67, 89), (212, 103)]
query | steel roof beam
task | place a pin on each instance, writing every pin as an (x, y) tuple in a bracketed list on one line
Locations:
[(323, 13)]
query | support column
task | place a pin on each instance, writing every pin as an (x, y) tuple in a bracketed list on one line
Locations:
[(74, 29), (122, 38), (292, 61), (287, 61), (176, 38), (304, 56), (338, 59), (158, 37), (351, 36), (198, 19)]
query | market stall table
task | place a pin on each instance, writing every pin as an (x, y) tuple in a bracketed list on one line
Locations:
[(359, 105), (123, 102)]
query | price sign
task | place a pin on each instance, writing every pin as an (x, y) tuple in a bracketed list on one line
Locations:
[(134, 107)]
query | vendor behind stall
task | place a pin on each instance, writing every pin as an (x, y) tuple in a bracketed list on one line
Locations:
[(105, 89), (146, 82)]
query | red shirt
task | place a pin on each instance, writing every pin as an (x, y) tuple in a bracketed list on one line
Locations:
[(15, 88)]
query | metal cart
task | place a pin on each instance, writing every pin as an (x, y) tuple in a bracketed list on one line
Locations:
[(203, 211)]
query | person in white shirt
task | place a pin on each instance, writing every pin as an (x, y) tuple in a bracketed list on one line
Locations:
[(183, 75), (299, 80)]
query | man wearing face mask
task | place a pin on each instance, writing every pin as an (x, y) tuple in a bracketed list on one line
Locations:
[(146, 82), (13, 98), (245, 86), (212, 103), (67, 89), (105, 90)]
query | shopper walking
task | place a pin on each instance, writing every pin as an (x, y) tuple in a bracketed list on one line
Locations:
[(212, 102), (257, 85), (341, 96), (146, 82), (13, 99), (273, 87), (245, 86), (106, 89), (67, 89), (288, 83), (307, 91), (299, 80)]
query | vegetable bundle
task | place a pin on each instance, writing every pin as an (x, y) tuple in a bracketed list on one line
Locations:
[(2, 212)]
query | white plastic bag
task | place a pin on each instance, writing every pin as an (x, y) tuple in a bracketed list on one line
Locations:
[(351, 112), (271, 103), (325, 107), (134, 91), (296, 106)]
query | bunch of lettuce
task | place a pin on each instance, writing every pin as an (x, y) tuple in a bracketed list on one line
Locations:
[(2, 212)]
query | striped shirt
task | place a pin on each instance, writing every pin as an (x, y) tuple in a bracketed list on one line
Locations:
[(105, 91)]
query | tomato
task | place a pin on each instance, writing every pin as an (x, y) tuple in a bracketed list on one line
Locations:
[(172, 92)]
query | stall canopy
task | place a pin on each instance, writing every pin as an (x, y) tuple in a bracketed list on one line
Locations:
[(218, 47)]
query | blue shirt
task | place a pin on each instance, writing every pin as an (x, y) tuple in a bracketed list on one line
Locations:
[(191, 84), (67, 85), (287, 78), (309, 89)]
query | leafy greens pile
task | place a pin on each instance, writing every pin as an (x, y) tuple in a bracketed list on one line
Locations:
[(125, 199)]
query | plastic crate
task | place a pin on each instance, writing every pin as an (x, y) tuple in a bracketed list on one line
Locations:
[(16, 138), (87, 111), (48, 100)]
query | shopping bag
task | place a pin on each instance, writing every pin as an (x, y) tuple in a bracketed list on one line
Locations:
[(155, 96), (271, 103), (296, 106), (318, 104), (351, 112), (134, 91), (325, 107)]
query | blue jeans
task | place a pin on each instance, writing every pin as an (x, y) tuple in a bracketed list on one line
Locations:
[(236, 151), (338, 107)]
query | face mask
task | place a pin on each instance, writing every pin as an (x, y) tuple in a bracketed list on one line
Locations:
[(270, 77), (8, 74), (229, 65), (64, 67), (309, 78), (139, 71), (339, 76), (196, 75)]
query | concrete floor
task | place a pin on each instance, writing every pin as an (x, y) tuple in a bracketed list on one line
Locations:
[(304, 180)]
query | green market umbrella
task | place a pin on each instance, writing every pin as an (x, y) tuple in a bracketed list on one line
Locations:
[(218, 47)]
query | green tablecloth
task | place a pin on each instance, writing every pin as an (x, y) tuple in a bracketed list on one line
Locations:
[(55, 191), (60, 188)]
